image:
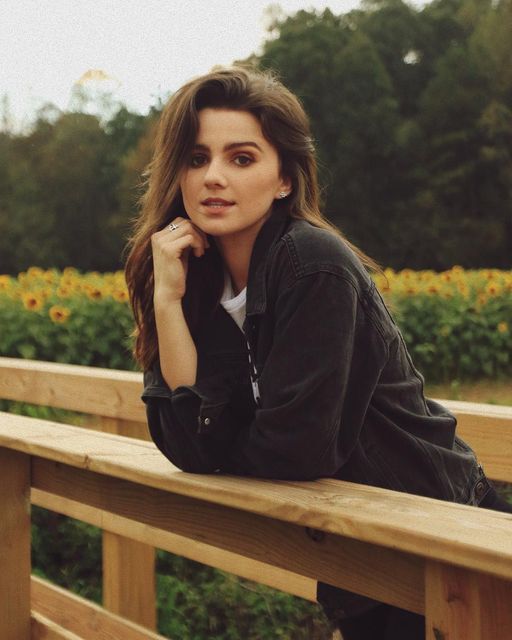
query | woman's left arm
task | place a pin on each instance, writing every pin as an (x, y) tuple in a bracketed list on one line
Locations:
[(312, 401), (304, 384)]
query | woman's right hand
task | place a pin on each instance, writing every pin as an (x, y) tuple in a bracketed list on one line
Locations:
[(171, 250)]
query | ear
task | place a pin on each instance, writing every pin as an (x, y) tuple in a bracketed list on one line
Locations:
[(285, 186)]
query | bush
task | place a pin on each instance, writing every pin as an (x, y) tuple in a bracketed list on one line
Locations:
[(456, 323)]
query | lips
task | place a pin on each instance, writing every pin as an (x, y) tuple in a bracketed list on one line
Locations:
[(216, 202)]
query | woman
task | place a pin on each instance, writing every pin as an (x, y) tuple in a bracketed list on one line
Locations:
[(266, 347)]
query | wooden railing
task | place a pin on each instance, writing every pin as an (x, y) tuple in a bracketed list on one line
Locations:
[(452, 563)]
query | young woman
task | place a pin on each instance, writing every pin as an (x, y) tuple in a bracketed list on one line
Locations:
[(266, 347)]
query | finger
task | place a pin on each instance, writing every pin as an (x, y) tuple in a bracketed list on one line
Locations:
[(185, 227), (179, 222)]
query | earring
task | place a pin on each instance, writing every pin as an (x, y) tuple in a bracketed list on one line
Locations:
[(283, 194)]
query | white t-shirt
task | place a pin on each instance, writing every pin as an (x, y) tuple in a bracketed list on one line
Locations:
[(234, 305)]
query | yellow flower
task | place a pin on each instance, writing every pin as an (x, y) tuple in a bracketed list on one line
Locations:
[(502, 327), (120, 295), (64, 291), (94, 293), (32, 301), (493, 289), (5, 282), (35, 272), (59, 314)]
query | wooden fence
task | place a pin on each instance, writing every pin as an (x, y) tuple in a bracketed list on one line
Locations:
[(452, 563)]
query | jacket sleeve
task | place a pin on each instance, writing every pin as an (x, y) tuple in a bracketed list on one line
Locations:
[(295, 433), (191, 425)]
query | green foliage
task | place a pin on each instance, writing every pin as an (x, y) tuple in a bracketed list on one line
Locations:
[(67, 552), (66, 317), (411, 110), (194, 601), (457, 323), (197, 602)]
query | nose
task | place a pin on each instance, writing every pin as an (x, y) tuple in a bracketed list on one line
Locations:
[(214, 176)]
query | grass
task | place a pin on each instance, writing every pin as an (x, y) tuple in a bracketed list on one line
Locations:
[(487, 391)]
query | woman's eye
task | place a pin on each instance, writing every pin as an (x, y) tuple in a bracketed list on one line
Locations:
[(197, 160), (243, 161)]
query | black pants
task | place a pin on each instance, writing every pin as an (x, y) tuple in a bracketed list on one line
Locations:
[(390, 623)]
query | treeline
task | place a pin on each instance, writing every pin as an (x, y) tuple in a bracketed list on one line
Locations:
[(411, 112)]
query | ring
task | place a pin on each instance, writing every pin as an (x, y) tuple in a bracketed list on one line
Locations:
[(173, 227)]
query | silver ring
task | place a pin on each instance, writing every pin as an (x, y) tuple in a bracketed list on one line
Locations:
[(173, 227)]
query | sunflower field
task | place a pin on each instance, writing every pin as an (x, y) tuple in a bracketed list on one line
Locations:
[(66, 316), (457, 323)]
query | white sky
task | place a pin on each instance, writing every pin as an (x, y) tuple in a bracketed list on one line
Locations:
[(147, 47)]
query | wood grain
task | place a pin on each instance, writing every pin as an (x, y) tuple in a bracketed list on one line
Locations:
[(464, 604), (116, 394), (129, 587), (14, 546), (82, 617), (476, 539), (371, 570), (219, 558), (45, 629), (104, 392)]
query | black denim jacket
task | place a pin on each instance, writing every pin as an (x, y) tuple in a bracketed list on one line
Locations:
[(340, 396)]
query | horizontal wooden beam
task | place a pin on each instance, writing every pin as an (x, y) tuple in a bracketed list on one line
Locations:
[(488, 429), (247, 568), (93, 390), (76, 615), (116, 394), (462, 535), (374, 571), (44, 629)]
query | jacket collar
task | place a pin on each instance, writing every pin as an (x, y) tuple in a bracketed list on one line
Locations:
[(267, 238)]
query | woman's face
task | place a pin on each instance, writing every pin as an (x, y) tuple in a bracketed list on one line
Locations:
[(232, 177)]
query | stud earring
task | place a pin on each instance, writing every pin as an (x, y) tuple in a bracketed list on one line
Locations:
[(283, 194)]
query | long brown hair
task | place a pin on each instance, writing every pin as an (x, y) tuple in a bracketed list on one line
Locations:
[(284, 124)]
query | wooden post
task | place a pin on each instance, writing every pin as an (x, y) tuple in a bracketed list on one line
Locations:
[(129, 588), (14, 545), (466, 605), (129, 582)]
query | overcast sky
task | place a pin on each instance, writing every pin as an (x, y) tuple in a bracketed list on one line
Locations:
[(144, 48)]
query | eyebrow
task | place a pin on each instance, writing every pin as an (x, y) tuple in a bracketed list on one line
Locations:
[(231, 145)]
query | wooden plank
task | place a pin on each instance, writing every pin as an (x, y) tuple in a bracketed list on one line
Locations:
[(82, 617), (127, 428), (377, 572), (192, 549), (430, 528), (129, 583), (14, 545), (467, 605), (45, 629), (129, 587), (116, 394), (476, 539), (491, 438), (94, 390)]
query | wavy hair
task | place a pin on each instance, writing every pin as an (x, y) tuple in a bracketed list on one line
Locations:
[(284, 124)]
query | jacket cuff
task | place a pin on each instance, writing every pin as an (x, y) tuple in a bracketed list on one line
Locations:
[(201, 404)]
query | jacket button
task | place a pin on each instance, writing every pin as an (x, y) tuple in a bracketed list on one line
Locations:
[(479, 489)]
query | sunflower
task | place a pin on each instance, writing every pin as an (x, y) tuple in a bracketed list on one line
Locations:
[(32, 301), (59, 314)]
